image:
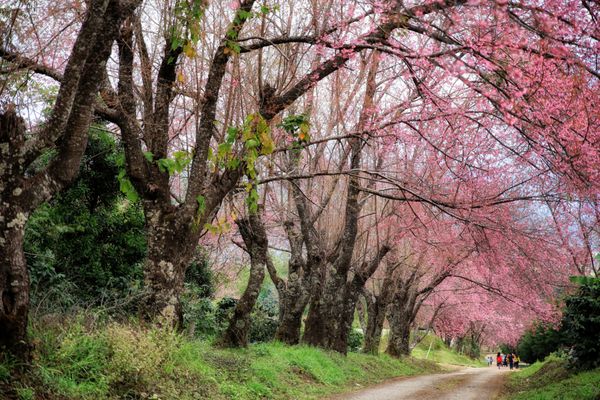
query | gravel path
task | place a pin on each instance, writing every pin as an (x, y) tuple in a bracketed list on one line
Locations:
[(466, 384)]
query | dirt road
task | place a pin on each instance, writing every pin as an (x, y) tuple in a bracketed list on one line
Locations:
[(466, 384)]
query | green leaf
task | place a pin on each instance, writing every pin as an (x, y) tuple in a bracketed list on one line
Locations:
[(252, 143), (223, 150), (232, 133), (243, 14), (201, 204), (233, 163), (148, 156)]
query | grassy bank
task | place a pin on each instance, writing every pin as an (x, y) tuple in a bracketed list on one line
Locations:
[(83, 360), (440, 353), (550, 380)]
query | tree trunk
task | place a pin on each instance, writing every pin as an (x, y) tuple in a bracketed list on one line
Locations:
[(399, 343), (14, 285), (255, 239), (330, 315), (316, 324), (402, 313), (164, 268), (375, 319), (293, 302)]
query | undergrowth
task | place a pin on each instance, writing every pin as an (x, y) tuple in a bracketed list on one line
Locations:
[(551, 379), (84, 359)]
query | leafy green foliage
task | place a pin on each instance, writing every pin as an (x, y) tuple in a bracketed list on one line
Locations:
[(181, 159), (581, 324), (89, 238), (254, 136), (264, 318), (197, 299), (297, 126), (125, 185), (538, 342), (355, 340), (185, 29)]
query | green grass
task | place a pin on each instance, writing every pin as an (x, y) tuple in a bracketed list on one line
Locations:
[(79, 360), (551, 380), (440, 353)]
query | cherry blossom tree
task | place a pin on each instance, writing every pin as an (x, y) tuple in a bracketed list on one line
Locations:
[(23, 187)]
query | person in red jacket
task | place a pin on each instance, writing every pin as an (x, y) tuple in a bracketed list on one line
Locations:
[(499, 360)]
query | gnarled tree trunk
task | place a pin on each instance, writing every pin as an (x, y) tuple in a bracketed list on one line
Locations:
[(14, 284), (255, 239), (165, 265), (402, 312), (293, 302), (66, 131), (377, 310)]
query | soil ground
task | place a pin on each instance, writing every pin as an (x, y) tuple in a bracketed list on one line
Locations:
[(465, 384)]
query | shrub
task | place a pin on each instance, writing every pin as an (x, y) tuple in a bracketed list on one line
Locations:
[(263, 326), (538, 342), (89, 235), (200, 275), (581, 324), (199, 314), (355, 340)]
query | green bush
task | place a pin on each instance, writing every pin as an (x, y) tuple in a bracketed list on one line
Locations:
[(581, 324), (200, 275), (199, 313), (355, 340), (264, 319), (538, 342), (89, 239)]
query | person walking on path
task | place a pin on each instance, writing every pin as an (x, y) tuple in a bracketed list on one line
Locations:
[(517, 360), (499, 360), (511, 360)]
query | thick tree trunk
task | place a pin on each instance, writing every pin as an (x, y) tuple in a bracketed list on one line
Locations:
[(375, 319), (315, 328), (255, 239), (377, 310), (14, 285), (344, 325), (402, 312), (294, 302), (165, 266), (399, 343), (330, 316)]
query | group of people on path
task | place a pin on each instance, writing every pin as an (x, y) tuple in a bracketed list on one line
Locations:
[(510, 360)]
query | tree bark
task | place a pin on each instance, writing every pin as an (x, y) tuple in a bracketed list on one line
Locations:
[(373, 332), (399, 342), (255, 238), (294, 302), (164, 269), (377, 306), (402, 312), (14, 285)]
